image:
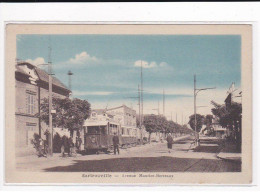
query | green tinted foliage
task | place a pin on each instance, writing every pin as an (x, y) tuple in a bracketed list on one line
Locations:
[(70, 114), (199, 120), (158, 123)]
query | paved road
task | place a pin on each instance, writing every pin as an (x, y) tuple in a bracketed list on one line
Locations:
[(149, 158)]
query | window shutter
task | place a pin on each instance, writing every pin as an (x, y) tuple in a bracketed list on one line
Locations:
[(34, 104), (27, 104)]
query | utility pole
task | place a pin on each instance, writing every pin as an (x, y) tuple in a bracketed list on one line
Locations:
[(158, 108), (139, 106), (176, 118), (163, 103), (195, 121), (140, 118), (50, 140), (182, 118), (196, 91), (139, 101), (171, 115), (142, 106), (70, 74)]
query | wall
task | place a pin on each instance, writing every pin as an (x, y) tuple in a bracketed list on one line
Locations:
[(26, 124), (20, 89), (126, 116)]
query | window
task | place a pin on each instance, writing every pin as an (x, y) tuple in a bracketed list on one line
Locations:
[(103, 130), (30, 102), (93, 130)]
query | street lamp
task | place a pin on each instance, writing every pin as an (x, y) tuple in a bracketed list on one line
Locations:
[(196, 91)]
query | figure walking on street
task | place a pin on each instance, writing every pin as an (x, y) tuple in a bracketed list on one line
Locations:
[(63, 146), (169, 142), (71, 145), (116, 143)]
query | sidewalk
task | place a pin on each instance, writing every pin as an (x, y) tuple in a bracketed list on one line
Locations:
[(229, 152), (57, 156)]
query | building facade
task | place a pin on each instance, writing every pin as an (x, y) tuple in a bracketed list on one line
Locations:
[(123, 115), (127, 119), (31, 86)]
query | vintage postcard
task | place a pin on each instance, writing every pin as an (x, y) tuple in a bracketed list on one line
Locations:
[(128, 104)]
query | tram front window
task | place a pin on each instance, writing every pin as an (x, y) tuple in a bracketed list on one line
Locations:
[(103, 130), (93, 130), (97, 130)]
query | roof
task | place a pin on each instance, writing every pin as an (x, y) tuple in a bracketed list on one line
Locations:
[(31, 66), (122, 106), (43, 75), (20, 70), (99, 111), (117, 107), (89, 123)]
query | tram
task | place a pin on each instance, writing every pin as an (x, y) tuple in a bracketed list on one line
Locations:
[(98, 136)]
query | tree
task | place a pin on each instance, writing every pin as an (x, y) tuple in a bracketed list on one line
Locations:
[(199, 121), (70, 114), (208, 120), (150, 122), (229, 117), (157, 123)]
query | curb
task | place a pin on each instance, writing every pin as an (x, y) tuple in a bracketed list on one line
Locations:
[(229, 158)]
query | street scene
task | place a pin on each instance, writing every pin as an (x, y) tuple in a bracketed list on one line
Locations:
[(128, 103), (149, 158)]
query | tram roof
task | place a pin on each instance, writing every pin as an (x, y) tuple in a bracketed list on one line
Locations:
[(89, 123)]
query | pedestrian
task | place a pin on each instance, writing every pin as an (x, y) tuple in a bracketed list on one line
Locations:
[(77, 143), (62, 146), (41, 148), (80, 142), (169, 142), (66, 145), (71, 145), (116, 143)]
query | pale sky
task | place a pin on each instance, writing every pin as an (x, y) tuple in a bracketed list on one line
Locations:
[(107, 68)]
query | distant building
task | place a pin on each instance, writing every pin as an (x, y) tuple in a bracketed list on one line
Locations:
[(123, 115), (127, 119), (31, 86)]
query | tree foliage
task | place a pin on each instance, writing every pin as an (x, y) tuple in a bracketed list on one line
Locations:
[(208, 120), (157, 123), (230, 117), (199, 120), (70, 114), (227, 116)]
